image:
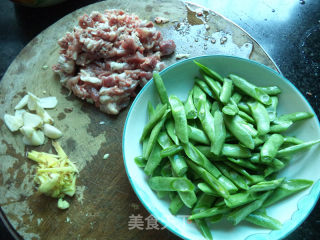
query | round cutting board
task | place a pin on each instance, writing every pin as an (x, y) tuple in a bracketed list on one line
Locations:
[(104, 206)]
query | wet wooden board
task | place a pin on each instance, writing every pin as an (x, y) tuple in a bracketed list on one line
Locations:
[(105, 203)]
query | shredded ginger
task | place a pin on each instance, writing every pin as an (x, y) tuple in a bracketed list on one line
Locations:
[(56, 174)]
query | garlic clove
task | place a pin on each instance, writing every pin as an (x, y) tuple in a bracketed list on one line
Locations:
[(32, 120), (26, 141), (27, 131), (23, 102), (32, 101), (51, 131), (48, 102), (37, 138), (44, 114), (13, 122)]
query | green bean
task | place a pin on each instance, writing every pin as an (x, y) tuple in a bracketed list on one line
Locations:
[(272, 108), (244, 163), (164, 140), (140, 161), (215, 219), (226, 91), (219, 133), (255, 158), (154, 119), (272, 90), (296, 148), (213, 85), (190, 109), (151, 110), (209, 179), (189, 198), (270, 148), (166, 170), (171, 184), (240, 199), (198, 95), (230, 110), (246, 117), (292, 140), (250, 89), (232, 123), (180, 120), (197, 135), (235, 150), (259, 140), (214, 108), (169, 151), (161, 88), (248, 126), (154, 135), (204, 201), (235, 177), (240, 214), (252, 178), (296, 116), (204, 228), (266, 185), (171, 131), (261, 116), (209, 212), (179, 165), (207, 122), (153, 161), (144, 146), (176, 204), (204, 87), (210, 72), (236, 98), (280, 126), (244, 107), (207, 189), (276, 166), (287, 188), (205, 150), (263, 220)]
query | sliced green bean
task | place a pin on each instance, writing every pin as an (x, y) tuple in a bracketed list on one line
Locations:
[(246, 117), (180, 120), (280, 126), (189, 198), (255, 158), (161, 88), (140, 161), (210, 72), (209, 212), (235, 150), (240, 199), (240, 214), (296, 148), (214, 108), (213, 85), (171, 131), (151, 110), (270, 148), (272, 108), (261, 116), (287, 188), (153, 161), (176, 204), (296, 116), (266, 185), (235, 177), (169, 151), (154, 119), (244, 163), (226, 91), (244, 107), (272, 90), (232, 124), (198, 95), (263, 220), (219, 133), (250, 89), (207, 189), (198, 135), (204, 87), (292, 140), (179, 165), (190, 109), (180, 184), (154, 135)]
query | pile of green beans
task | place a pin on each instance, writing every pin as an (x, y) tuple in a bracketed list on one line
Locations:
[(219, 152)]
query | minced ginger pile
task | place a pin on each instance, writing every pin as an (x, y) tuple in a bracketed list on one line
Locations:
[(56, 174)]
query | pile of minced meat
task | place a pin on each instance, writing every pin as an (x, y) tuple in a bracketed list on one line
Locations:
[(108, 55)]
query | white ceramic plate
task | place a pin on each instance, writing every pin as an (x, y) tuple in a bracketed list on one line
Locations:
[(179, 79)]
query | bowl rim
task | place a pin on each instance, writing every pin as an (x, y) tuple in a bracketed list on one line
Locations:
[(314, 186)]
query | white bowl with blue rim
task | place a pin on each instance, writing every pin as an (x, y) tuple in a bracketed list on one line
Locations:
[(179, 79)]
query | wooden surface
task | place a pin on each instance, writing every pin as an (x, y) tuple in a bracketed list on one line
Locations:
[(105, 200)]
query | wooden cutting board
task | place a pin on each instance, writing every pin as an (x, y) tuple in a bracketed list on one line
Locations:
[(105, 204)]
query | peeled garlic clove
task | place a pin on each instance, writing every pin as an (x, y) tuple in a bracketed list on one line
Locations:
[(23, 102), (26, 141), (51, 131), (48, 102), (31, 120), (44, 115), (37, 138), (19, 113), (32, 101), (12, 122), (27, 131)]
